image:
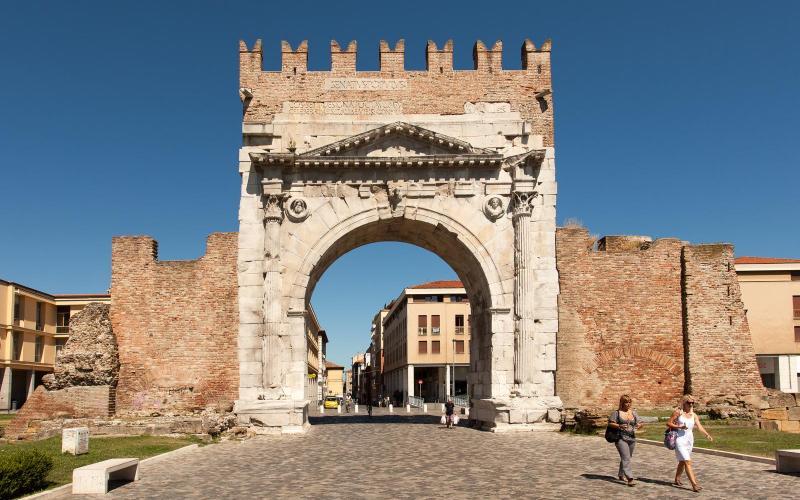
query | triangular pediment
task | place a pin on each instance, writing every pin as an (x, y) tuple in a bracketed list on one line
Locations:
[(395, 140)]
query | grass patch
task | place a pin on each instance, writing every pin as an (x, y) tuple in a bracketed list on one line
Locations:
[(100, 448), (5, 418), (730, 437)]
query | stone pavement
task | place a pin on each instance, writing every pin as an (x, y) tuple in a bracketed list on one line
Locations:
[(403, 456)]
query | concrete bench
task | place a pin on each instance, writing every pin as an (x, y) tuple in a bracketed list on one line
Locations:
[(94, 478), (787, 460)]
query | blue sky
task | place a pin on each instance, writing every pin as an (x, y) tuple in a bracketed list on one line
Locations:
[(672, 119)]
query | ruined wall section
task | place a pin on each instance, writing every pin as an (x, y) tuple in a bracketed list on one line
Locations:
[(620, 325), (176, 324), (439, 90), (721, 360)]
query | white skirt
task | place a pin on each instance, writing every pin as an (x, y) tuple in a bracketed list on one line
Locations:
[(683, 447)]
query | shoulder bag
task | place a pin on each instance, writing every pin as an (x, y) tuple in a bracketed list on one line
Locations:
[(613, 434)]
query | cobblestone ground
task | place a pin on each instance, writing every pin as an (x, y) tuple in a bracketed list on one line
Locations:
[(400, 456)]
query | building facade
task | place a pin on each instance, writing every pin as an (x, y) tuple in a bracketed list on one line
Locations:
[(334, 379), (34, 326), (427, 334), (771, 295), (316, 348)]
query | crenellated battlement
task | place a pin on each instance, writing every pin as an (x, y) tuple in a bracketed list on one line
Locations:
[(392, 60)]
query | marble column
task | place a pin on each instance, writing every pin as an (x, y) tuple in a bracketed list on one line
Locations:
[(272, 350), (524, 347)]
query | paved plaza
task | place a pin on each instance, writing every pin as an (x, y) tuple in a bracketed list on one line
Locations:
[(400, 456)]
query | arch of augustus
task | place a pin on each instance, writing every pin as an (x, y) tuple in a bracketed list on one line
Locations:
[(459, 162)]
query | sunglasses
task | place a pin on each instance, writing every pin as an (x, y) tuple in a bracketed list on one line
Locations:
[(690, 402)]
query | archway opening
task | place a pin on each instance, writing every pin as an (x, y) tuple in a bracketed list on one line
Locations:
[(420, 340)]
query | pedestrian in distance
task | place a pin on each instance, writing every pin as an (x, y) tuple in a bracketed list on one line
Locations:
[(449, 412), (684, 420), (625, 422)]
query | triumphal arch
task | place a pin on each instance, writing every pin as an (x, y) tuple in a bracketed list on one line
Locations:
[(459, 162)]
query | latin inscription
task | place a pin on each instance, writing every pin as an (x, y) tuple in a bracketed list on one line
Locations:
[(365, 84), (344, 108)]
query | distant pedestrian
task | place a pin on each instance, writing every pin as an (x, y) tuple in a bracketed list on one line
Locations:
[(684, 420), (449, 413), (626, 422)]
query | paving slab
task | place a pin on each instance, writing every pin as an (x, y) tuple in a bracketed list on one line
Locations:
[(400, 456)]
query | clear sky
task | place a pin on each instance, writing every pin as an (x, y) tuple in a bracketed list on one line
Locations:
[(672, 119)]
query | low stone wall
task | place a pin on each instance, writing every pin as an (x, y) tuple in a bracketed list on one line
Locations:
[(783, 413), (45, 406)]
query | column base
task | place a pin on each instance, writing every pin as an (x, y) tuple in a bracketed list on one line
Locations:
[(520, 414), (273, 416)]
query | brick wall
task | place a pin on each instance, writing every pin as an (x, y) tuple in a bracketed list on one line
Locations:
[(72, 402), (176, 324), (437, 90), (720, 355), (650, 319), (620, 325)]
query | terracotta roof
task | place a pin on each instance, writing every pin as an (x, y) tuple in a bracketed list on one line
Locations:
[(331, 364), (440, 284), (765, 260)]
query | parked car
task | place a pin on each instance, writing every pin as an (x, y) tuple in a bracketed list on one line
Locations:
[(331, 402)]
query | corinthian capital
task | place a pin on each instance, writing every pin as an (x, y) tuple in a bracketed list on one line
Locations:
[(523, 202), (273, 207)]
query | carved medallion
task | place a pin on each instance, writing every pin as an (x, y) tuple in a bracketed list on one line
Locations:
[(297, 211), (493, 208)]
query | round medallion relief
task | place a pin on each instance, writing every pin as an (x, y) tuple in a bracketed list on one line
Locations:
[(297, 210), (494, 208)]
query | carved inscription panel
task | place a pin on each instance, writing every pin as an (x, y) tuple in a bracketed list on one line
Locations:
[(343, 108), (365, 84)]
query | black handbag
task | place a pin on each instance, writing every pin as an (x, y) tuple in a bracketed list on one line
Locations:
[(613, 434)]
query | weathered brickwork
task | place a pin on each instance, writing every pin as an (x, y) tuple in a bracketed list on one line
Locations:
[(176, 324), (619, 321), (721, 359), (72, 402), (440, 90), (650, 319)]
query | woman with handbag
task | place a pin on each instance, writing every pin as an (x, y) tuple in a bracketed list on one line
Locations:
[(683, 420), (622, 427)]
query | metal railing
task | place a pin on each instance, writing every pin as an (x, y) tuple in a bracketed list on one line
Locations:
[(415, 401), (461, 400), (422, 330), (459, 330)]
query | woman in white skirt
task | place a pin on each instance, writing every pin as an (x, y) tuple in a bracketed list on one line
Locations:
[(684, 420)]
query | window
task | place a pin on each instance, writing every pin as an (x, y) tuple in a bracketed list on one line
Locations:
[(62, 319), (39, 316), (17, 308), (434, 298), (60, 345), (459, 346), (435, 330), (458, 298), (39, 349), (796, 306), (17, 347), (768, 379), (422, 324), (459, 324), (797, 334), (435, 347), (423, 347)]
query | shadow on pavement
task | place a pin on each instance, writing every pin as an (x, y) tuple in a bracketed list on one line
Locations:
[(379, 419), (612, 479)]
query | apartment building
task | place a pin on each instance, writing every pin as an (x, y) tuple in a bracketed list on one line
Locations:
[(334, 380), (316, 349), (34, 326), (426, 338), (771, 295)]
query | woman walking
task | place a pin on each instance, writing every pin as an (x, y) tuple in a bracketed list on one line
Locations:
[(684, 420), (627, 422)]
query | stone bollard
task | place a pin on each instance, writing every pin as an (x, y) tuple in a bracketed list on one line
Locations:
[(339, 409), (408, 408), (391, 409), (425, 408), (466, 412), (322, 409), (75, 440), (442, 406), (356, 408)]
